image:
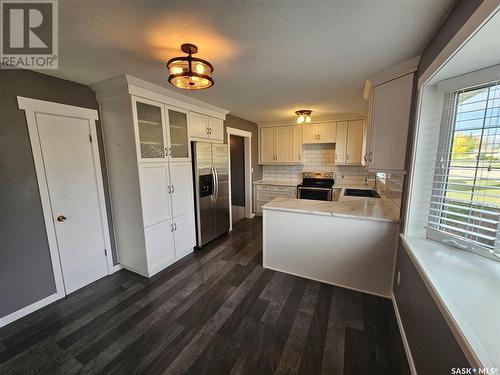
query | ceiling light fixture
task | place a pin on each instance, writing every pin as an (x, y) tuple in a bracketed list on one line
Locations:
[(303, 115), (188, 72)]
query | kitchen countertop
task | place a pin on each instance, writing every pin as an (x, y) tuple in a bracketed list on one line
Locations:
[(378, 209)]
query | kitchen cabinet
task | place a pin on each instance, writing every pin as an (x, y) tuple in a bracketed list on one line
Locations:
[(280, 145), (206, 128), (146, 136), (319, 133), (388, 124), (265, 193), (349, 144)]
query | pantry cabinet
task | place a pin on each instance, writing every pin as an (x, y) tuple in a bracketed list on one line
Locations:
[(319, 133), (147, 139), (280, 145)]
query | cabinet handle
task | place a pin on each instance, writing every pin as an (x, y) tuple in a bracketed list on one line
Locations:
[(170, 150), (207, 131), (364, 157), (166, 152), (299, 156), (171, 227), (347, 157), (169, 189), (175, 226), (371, 156), (173, 189)]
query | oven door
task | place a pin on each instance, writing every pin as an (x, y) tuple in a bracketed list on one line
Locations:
[(315, 193)]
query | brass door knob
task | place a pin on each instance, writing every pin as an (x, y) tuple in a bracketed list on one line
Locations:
[(61, 218)]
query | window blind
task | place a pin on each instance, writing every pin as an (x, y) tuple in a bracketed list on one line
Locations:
[(465, 200)]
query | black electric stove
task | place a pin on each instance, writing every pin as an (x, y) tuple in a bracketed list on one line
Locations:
[(316, 186)]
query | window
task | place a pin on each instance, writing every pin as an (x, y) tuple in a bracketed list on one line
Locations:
[(465, 202)]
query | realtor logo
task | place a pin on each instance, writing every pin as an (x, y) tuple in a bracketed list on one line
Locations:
[(29, 34)]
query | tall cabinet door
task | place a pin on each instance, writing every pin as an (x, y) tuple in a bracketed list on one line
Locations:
[(354, 142), (297, 143), (178, 142), (155, 193), (149, 118), (267, 145), (181, 183), (390, 120), (341, 142), (284, 144)]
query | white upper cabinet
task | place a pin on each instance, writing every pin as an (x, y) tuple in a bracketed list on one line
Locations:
[(354, 146), (389, 122), (151, 137), (206, 128), (280, 145), (319, 133), (341, 144), (216, 129), (178, 139), (266, 145)]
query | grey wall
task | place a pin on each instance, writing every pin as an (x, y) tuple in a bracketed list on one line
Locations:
[(25, 267), (237, 151), (461, 12), (239, 123), (431, 341), (433, 346)]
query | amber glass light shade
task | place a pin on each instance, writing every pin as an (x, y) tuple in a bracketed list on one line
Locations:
[(303, 115), (190, 72)]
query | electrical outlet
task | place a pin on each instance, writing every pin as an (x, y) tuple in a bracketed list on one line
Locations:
[(398, 278)]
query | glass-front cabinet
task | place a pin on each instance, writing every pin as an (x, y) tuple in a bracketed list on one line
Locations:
[(178, 134), (162, 132)]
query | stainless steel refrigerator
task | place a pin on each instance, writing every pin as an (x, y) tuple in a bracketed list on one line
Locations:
[(211, 184)]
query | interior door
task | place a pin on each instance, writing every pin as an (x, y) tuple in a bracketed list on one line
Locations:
[(181, 188), (354, 142), (179, 149), (221, 169), (310, 133), (284, 143), (327, 132), (72, 183), (267, 145), (154, 180), (341, 142)]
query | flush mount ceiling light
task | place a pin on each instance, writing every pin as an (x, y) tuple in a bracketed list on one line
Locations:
[(188, 72), (303, 115)]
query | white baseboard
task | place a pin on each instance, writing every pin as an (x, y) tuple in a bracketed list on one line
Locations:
[(116, 267), (28, 309), (413, 370)]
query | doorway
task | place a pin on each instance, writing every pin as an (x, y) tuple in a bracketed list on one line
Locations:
[(237, 152), (67, 164), (240, 177)]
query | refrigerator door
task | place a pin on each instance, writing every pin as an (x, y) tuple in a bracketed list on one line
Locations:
[(221, 169), (205, 192)]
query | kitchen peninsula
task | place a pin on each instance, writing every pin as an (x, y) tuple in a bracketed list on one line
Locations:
[(350, 242)]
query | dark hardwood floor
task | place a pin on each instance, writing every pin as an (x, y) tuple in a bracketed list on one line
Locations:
[(216, 311)]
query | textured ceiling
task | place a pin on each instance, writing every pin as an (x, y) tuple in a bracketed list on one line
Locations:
[(270, 57)]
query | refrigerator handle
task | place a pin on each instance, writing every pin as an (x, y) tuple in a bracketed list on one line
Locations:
[(216, 183)]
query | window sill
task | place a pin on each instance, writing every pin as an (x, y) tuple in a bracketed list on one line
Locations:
[(466, 288)]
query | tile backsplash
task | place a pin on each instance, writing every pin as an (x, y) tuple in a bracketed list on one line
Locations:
[(319, 158)]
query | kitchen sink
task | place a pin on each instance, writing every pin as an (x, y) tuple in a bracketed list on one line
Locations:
[(361, 193)]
